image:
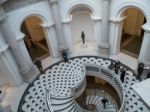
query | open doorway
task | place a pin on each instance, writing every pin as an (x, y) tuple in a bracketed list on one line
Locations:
[(34, 39), (132, 32)]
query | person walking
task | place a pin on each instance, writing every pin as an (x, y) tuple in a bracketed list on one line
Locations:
[(140, 70), (122, 75), (64, 55), (111, 66), (117, 66), (104, 101), (148, 75), (38, 64)]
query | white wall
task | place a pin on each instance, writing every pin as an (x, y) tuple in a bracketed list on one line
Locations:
[(66, 5), (81, 20), (3, 80)]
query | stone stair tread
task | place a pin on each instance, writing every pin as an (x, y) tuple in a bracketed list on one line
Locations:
[(63, 108), (57, 101)]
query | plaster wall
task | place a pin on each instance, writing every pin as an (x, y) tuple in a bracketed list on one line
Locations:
[(3, 80), (67, 5), (82, 21)]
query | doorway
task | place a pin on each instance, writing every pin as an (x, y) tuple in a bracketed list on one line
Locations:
[(34, 39), (132, 35)]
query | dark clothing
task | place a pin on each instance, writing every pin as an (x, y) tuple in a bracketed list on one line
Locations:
[(140, 70), (111, 66), (104, 101), (148, 75), (123, 72), (64, 55), (117, 67), (83, 37), (38, 63)]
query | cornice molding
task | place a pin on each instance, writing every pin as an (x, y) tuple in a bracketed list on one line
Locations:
[(146, 28), (47, 25), (113, 20), (96, 19)]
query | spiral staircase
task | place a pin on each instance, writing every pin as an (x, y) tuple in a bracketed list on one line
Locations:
[(62, 84), (68, 102), (94, 97)]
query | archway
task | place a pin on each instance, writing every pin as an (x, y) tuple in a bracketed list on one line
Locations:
[(34, 39), (132, 32), (82, 24)]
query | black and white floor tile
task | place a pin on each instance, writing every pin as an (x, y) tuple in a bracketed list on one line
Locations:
[(61, 76)]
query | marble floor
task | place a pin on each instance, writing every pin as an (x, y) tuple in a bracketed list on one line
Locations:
[(14, 94)]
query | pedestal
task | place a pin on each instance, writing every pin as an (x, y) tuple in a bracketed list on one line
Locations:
[(104, 49), (84, 45)]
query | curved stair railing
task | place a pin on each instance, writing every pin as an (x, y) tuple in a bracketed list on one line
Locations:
[(95, 96), (71, 103), (110, 77), (48, 101), (68, 103)]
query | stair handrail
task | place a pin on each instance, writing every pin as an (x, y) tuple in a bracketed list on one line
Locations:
[(48, 100), (83, 71), (114, 76)]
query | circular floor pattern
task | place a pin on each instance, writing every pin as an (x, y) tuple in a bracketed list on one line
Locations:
[(61, 76)]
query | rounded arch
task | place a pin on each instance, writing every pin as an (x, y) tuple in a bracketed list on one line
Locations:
[(23, 16), (125, 5), (79, 3)]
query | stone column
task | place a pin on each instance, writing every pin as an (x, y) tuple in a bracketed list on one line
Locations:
[(51, 39), (8, 66), (97, 30), (144, 55), (58, 25), (104, 45), (115, 35), (28, 69), (20, 53), (67, 32)]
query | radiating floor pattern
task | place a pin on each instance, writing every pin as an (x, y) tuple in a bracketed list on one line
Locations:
[(60, 77)]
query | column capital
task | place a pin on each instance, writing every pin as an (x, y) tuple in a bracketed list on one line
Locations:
[(67, 21), (146, 28), (119, 20), (47, 25), (96, 19)]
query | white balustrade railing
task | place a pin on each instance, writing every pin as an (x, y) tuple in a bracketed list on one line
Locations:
[(94, 70), (74, 92), (48, 101), (110, 77)]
